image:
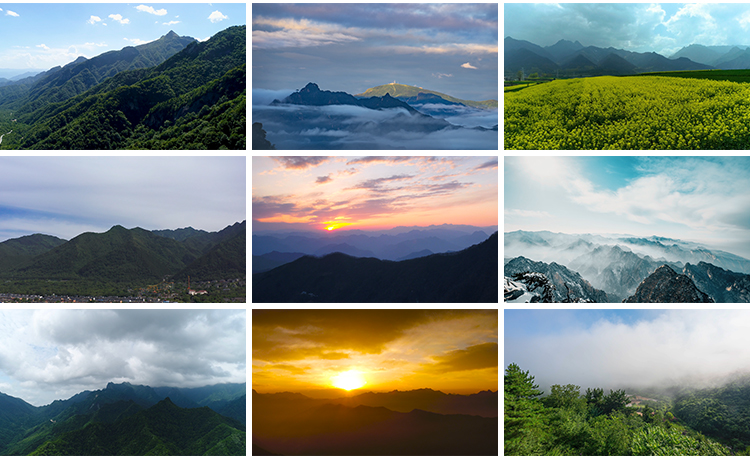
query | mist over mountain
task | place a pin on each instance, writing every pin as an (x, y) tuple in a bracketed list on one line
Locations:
[(311, 118), (468, 275), (376, 424), (619, 265)]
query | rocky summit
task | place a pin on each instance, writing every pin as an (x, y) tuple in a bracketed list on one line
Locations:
[(666, 286)]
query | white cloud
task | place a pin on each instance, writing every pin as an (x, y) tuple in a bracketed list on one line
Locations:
[(136, 41), (119, 18), (527, 213), (677, 346), (12, 13), (217, 16), (468, 66), (48, 354), (43, 46), (170, 23), (151, 10), (94, 20)]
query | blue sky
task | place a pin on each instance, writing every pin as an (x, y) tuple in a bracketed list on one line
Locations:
[(53, 354), (661, 27), (612, 348), (449, 48), (699, 199), (66, 196), (44, 35)]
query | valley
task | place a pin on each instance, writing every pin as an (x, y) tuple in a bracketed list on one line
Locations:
[(595, 268)]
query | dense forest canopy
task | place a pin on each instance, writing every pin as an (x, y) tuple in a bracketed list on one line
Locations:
[(567, 422)]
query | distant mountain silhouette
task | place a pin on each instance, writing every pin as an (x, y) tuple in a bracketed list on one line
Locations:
[(290, 425), (470, 276), (312, 95)]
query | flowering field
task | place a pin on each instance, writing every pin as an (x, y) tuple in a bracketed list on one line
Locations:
[(624, 113)]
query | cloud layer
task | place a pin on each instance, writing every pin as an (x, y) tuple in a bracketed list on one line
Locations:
[(672, 347), (661, 27), (376, 191), (395, 349), (419, 44), (64, 196), (54, 354), (706, 199)]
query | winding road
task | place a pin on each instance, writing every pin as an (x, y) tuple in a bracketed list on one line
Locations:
[(3, 135)]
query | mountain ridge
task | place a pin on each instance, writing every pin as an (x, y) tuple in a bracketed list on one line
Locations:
[(399, 91)]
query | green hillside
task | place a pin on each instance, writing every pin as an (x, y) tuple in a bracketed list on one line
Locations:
[(403, 90), (18, 252), (193, 100), (164, 429)]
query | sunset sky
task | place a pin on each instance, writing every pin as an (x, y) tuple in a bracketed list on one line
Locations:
[(316, 193), (454, 351)]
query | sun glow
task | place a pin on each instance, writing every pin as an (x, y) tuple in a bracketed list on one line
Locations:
[(330, 226), (348, 380)]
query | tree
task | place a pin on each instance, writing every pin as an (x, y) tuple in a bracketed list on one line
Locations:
[(567, 396), (524, 412)]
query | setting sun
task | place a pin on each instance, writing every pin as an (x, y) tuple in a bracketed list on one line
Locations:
[(348, 380)]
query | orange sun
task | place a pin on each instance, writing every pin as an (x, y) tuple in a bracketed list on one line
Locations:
[(330, 226), (348, 380)]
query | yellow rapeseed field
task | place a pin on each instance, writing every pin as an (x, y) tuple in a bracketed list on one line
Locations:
[(624, 113)]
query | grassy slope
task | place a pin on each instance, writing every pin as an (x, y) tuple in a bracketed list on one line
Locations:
[(403, 90)]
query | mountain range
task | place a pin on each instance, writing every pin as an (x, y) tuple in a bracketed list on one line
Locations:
[(311, 118), (174, 92), (120, 258), (125, 419), (567, 58), (619, 266), (467, 276), (422, 422)]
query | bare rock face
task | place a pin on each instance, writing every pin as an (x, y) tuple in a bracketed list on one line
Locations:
[(666, 286)]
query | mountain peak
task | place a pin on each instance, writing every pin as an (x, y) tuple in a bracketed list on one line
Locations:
[(310, 87), (666, 286)]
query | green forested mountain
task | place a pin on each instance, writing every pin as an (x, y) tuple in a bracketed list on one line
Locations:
[(118, 259), (82, 74), (566, 422), (124, 419), (163, 430), (15, 253), (195, 99), (406, 91)]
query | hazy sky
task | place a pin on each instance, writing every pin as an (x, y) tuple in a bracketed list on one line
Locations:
[(376, 192), (350, 47), (65, 196), (700, 199), (661, 27), (53, 354), (449, 350), (44, 35), (621, 348)]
